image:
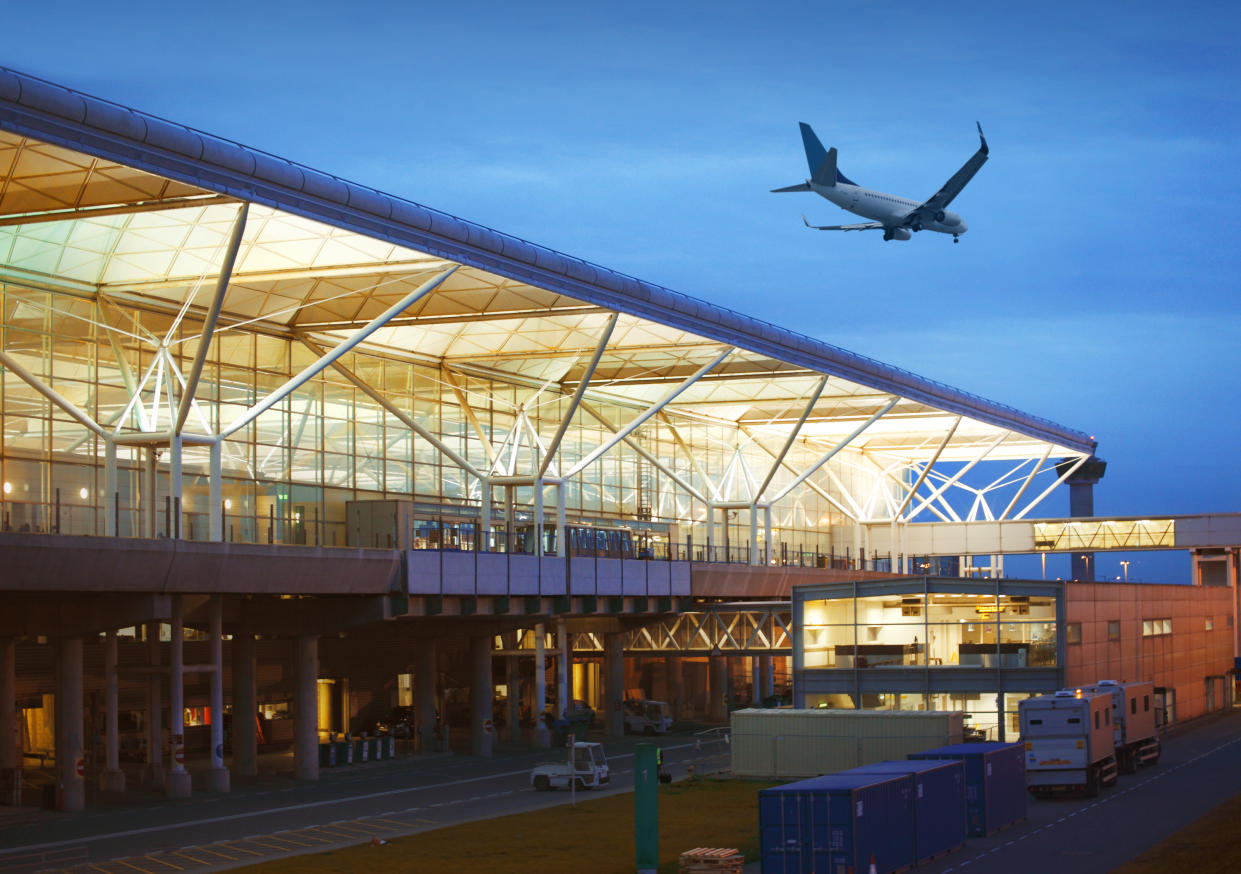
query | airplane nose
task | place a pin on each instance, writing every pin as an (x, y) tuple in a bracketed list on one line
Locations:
[(961, 228)]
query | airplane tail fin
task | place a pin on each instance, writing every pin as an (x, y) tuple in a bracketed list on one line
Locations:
[(822, 161)]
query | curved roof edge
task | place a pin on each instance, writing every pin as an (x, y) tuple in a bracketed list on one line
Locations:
[(61, 116)]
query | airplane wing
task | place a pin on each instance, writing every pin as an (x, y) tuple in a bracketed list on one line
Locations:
[(939, 201), (861, 226)]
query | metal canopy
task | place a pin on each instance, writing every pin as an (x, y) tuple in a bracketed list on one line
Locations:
[(133, 214)]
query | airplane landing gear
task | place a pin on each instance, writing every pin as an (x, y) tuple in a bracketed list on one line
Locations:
[(955, 238)]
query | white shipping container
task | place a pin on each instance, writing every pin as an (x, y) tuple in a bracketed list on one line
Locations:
[(807, 743)]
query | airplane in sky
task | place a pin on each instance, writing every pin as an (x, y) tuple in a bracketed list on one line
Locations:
[(898, 217)]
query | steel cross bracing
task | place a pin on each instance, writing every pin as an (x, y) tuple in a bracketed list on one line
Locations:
[(734, 629)]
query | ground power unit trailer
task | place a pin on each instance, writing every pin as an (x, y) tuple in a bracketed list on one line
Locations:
[(1069, 742), (1133, 723)]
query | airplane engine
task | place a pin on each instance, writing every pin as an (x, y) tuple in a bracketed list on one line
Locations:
[(897, 234), (951, 219), (939, 216)]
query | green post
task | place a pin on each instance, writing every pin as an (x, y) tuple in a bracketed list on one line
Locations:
[(646, 807)]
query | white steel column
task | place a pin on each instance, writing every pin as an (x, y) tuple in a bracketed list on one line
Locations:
[(10, 738), (484, 518), (542, 737), (755, 555), (710, 531), (562, 544), (215, 497), (174, 487), (538, 517), (150, 491), (178, 785), (767, 534), (218, 776), (111, 525), (512, 682), (70, 763), (113, 778), (577, 395), (508, 518), (828, 456), (306, 709)]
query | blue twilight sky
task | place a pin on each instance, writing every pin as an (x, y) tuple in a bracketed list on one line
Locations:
[(1097, 285)]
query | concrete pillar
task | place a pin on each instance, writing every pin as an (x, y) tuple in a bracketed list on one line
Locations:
[(215, 499), (150, 492), (245, 706), (10, 739), (306, 709), (217, 776), (564, 670), (174, 487), (178, 785), (424, 694), (484, 521), (513, 681), (113, 778), (153, 774), (482, 694), (717, 688), (562, 532), (1081, 505), (537, 527), (756, 685), (70, 764), (1000, 720), (767, 677), (614, 684), (676, 686), (542, 737)]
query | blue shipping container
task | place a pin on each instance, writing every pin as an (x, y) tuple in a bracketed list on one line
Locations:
[(995, 783), (939, 802), (837, 823)]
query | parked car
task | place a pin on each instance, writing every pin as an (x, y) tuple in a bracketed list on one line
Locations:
[(399, 723)]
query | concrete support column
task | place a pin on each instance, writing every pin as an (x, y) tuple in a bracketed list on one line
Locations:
[(482, 731), (10, 753), (215, 495), (245, 706), (1000, 717), (767, 676), (542, 737), (717, 688), (217, 777), (564, 670), (508, 518), (614, 684), (513, 682), (756, 685), (70, 764), (306, 709), (675, 685), (178, 785), (110, 522), (424, 694), (154, 771), (113, 778)]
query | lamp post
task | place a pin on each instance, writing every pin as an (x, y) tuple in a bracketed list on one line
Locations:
[(1125, 566), (1086, 558)]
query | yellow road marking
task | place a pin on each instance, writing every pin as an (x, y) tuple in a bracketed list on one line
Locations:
[(305, 833), (217, 853), (129, 864), (232, 846), (192, 858), (288, 840), (390, 821), (259, 843), (162, 862)]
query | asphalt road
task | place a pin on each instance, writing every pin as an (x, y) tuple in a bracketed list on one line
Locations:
[(347, 806), (1200, 768)]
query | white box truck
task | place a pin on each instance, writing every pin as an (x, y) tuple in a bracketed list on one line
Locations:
[(1069, 741), (1133, 723)]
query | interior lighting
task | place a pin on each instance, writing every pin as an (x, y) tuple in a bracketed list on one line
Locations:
[(228, 504), (8, 488), (83, 493)]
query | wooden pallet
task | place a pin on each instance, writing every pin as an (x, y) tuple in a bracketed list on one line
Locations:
[(712, 860)]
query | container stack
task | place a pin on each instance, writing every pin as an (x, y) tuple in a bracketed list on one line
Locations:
[(995, 783), (939, 803)]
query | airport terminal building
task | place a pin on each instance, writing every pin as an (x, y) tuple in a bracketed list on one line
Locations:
[(274, 442)]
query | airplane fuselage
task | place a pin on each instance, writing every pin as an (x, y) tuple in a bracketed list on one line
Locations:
[(882, 207)]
